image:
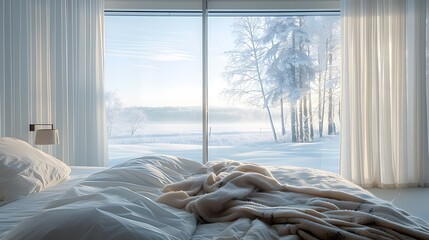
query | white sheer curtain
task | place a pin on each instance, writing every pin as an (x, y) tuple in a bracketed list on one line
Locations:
[(51, 71), (384, 138)]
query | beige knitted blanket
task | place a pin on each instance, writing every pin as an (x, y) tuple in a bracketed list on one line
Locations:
[(231, 190)]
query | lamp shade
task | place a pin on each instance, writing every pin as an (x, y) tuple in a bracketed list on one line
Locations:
[(47, 137)]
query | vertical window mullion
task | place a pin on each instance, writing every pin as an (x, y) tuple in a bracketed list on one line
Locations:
[(205, 79)]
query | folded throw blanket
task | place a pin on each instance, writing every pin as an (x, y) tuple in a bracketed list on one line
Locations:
[(232, 190)]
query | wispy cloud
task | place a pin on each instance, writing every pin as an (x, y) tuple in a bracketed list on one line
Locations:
[(146, 66), (153, 55), (152, 45), (173, 56)]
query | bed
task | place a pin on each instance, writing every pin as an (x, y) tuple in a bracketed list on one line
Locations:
[(167, 197), (17, 211)]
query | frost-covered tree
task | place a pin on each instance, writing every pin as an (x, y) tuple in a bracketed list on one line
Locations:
[(113, 108), (291, 69), (246, 70), (327, 48), (134, 118)]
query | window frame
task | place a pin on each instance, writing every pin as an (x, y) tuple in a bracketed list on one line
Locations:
[(205, 14)]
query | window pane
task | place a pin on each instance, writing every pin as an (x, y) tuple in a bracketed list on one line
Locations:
[(274, 90), (153, 86)]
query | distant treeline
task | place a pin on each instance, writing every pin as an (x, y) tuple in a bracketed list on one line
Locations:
[(194, 114)]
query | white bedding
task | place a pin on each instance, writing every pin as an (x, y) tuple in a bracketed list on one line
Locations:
[(15, 212), (121, 203), (25, 170)]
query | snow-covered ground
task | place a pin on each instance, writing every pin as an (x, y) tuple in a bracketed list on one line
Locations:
[(251, 146)]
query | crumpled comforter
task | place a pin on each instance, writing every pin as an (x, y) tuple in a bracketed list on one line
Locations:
[(233, 190), (165, 197)]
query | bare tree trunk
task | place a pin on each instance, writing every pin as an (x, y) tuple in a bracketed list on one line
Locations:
[(282, 117), (319, 107), (311, 117), (339, 110), (306, 128), (298, 137), (334, 127), (293, 122), (320, 103), (301, 125), (273, 129), (331, 126), (294, 125), (323, 100)]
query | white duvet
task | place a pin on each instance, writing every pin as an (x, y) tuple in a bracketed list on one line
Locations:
[(121, 203)]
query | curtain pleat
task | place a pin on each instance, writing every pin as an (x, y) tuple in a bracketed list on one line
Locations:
[(425, 167), (51, 71), (384, 108)]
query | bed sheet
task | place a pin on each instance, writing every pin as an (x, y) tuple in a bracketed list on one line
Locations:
[(123, 202), (15, 212)]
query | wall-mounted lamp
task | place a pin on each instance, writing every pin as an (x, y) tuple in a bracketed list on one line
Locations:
[(45, 136)]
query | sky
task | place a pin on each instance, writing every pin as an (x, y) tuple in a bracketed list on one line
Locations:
[(155, 61)]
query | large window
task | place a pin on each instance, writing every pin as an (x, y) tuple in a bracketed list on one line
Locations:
[(153, 86), (273, 88)]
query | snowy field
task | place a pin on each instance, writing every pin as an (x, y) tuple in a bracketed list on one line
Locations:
[(235, 142)]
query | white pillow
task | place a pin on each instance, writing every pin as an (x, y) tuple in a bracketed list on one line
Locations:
[(25, 170)]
